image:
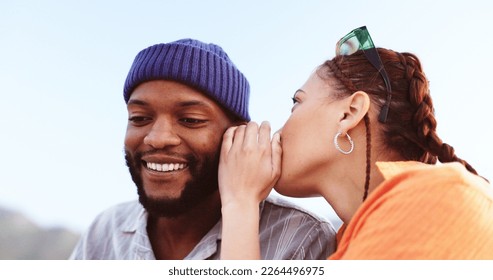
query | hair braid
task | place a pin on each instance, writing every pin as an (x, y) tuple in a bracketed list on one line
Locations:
[(336, 72), (368, 156), (424, 118)]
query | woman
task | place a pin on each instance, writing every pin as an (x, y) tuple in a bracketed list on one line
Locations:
[(362, 134)]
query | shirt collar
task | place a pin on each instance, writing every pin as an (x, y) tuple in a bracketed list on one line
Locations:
[(136, 219), (208, 246)]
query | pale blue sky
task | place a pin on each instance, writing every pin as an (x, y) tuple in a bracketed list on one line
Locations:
[(63, 63)]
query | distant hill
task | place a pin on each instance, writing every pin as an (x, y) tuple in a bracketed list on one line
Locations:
[(22, 239)]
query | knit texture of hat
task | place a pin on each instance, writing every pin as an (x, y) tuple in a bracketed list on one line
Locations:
[(205, 67)]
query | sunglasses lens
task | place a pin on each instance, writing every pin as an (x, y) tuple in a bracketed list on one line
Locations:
[(348, 47)]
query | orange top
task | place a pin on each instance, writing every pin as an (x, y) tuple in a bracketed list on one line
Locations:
[(422, 212)]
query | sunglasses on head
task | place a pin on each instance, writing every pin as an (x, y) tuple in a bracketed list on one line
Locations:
[(359, 39)]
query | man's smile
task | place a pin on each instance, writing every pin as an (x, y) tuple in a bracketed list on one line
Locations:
[(164, 167)]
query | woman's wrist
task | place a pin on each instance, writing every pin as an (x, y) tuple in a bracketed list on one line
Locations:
[(240, 229), (241, 205)]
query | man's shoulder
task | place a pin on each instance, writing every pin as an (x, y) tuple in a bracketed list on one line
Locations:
[(285, 207), (110, 235), (289, 231)]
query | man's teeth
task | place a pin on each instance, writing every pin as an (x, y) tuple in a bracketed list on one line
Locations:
[(165, 166)]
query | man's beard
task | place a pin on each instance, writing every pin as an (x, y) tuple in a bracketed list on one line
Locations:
[(199, 188)]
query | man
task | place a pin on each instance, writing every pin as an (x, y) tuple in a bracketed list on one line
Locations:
[(181, 97)]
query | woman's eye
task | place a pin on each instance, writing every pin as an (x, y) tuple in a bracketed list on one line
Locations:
[(295, 104)]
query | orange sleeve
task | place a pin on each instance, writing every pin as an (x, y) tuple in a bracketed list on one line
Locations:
[(439, 213)]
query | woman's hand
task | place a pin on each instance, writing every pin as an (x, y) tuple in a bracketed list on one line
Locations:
[(250, 163), (249, 166)]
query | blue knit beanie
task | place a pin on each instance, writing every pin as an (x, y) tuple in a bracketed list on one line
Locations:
[(205, 67)]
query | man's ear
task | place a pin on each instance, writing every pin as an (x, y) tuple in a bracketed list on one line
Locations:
[(235, 120), (356, 107)]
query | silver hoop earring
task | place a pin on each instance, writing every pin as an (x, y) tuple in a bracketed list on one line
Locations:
[(336, 143)]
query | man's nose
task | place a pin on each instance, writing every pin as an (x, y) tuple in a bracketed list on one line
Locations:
[(161, 135)]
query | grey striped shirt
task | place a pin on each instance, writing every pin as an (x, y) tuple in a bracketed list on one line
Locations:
[(286, 232)]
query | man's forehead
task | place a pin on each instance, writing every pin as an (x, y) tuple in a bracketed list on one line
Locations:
[(153, 92), (179, 103)]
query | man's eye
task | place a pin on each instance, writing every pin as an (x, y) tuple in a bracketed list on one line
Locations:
[(138, 119), (294, 100), (192, 121)]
